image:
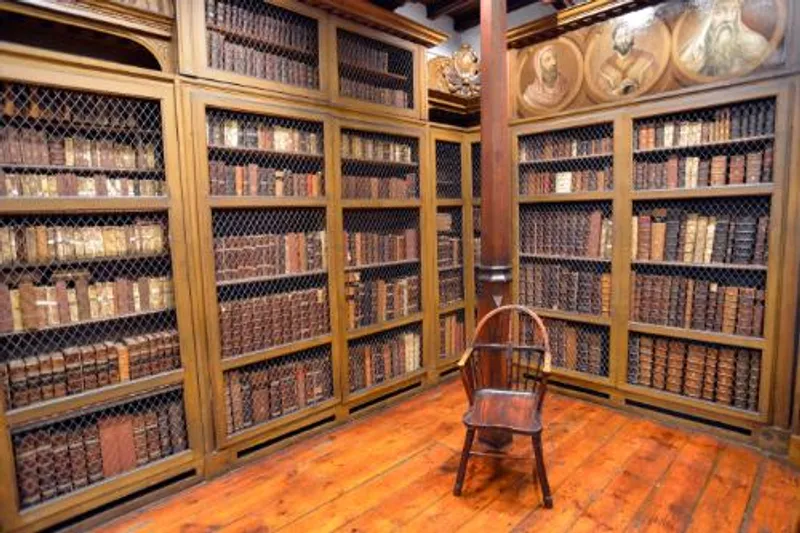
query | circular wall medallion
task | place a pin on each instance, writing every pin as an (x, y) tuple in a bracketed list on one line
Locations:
[(550, 75)]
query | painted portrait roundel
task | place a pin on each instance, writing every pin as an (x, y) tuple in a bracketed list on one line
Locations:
[(727, 38), (625, 60), (550, 75)]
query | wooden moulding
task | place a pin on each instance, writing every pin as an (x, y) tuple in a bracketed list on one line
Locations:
[(386, 387)]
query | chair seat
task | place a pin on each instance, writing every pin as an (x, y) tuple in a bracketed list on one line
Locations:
[(503, 409)]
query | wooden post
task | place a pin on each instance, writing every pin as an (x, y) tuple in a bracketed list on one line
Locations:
[(495, 269)]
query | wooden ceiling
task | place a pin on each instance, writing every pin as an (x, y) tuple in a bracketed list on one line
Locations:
[(465, 13)]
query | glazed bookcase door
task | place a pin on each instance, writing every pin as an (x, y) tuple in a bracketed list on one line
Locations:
[(472, 226), (263, 185), (383, 296), (104, 400), (376, 72), (275, 45)]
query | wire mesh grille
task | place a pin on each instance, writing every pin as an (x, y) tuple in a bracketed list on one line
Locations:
[(574, 287), (712, 147), (163, 7), (700, 299), (452, 335), (384, 357), (259, 39), (566, 161), (68, 455), (250, 244), (268, 390), (381, 239), (703, 371), (450, 255), (260, 155), (58, 142), (375, 71), (448, 169), (476, 170), (378, 165), (576, 347)]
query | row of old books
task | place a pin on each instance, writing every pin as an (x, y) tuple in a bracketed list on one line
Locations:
[(355, 51), (81, 452), (248, 60), (61, 185), (382, 358), (575, 347), (248, 256), (373, 301), (72, 299), (536, 182), (561, 146), (676, 234), (371, 148), (26, 146), (373, 187), (566, 233), (713, 373), (451, 287), (731, 123), (256, 132), (253, 324), (364, 248), (685, 302), (695, 172), (562, 288), (373, 93), (262, 392), (449, 250), (36, 244), (261, 24), (452, 335), (255, 180), (38, 378), (80, 110)]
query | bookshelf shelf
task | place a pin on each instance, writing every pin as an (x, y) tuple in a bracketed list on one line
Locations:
[(704, 406), (95, 170), (755, 343), (732, 143), (83, 261), (353, 71), (567, 160), (274, 352), (727, 191), (580, 376), (384, 387), (590, 196), (576, 258), (444, 362), (83, 323), (275, 425), (268, 279), (65, 126), (449, 202), (452, 307), (450, 267), (380, 204), (262, 153), (390, 264), (384, 326), (254, 202), (346, 161), (68, 406), (713, 266), (573, 317), (252, 39), (22, 206)]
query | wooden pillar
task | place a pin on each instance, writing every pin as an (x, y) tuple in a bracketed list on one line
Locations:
[(495, 269)]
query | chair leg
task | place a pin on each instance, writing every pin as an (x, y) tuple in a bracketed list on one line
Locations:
[(540, 472), (462, 466)]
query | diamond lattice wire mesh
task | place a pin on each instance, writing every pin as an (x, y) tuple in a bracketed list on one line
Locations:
[(261, 155), (574, 346), (258, 393), (450, 255), (382, 272), (375, 71), (565, 161), (384, 357), (712, 147), (57, 458), (476, 170), (95, 288), (59, 142), (448, 169), (262, 40), (703, 371), (565, 254), (452, 335), (378, 165)]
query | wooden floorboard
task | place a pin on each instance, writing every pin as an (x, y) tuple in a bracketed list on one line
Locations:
[(394, 470)]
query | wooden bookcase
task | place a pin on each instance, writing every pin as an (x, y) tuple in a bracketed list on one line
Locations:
[(121, 427), (472, 205), (682, 380)]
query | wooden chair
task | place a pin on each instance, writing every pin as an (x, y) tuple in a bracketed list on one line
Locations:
[(513, 401)]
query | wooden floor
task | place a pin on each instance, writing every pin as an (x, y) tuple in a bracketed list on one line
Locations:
[(394, 471)]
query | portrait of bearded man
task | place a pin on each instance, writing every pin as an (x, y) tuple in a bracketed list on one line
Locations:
[(550, 85), (625, 71), (723, 44)]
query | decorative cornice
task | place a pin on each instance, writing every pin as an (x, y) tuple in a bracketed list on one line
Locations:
[(368, 14)]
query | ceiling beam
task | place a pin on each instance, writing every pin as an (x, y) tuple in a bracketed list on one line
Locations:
[(391, 5), (448, 7)]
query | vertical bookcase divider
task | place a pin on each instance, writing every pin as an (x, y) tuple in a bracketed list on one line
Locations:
[(471, 193)]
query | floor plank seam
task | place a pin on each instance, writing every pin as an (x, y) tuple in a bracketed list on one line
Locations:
[(755, 491), (708, 480)]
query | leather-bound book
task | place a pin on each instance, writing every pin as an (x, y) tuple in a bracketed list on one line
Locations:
[(61, 462), (746, 311), (19, 383), (116, 445), (94, 457), (658, 236), (605, 294), (660, 363), (646, 361), (711, 306), (762, 235), (719, 244), (703, 173), (26, 465), (633, 360), (700, 240), (45, 364), (593, 238), (673, 302), (59, 374), (672, 172), (77, 458), (736, 172), (741, 379), (710, 374), (688, 303), (744, 240), (644, 236), (32, 379), (700, 304), (766, 166), (695, 368), (672, 236), (690, 224), (753, 381), (753, 165), (676, 357), (726, 366), (177, 426), (730, 309), (163, 426), (757, 329), (719, 168), (571, 348), (152, 435)]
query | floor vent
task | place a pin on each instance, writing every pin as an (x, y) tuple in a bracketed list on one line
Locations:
[(386, 396), (244, 452), (578, 388), (691, 418)]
